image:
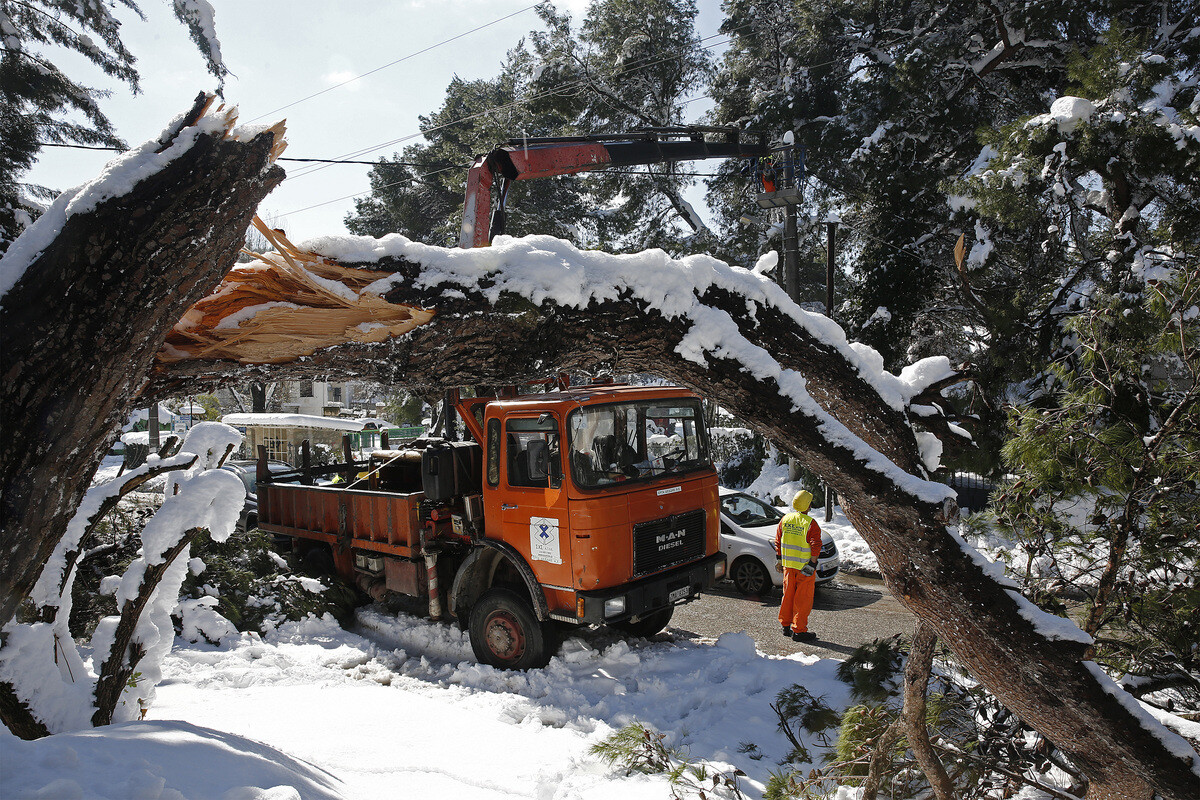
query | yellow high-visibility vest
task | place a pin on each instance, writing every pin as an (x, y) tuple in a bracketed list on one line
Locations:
[(793, 545)]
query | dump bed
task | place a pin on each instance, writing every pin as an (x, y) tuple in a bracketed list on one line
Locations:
[(384, 522)]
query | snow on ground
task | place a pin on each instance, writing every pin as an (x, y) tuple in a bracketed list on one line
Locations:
[(398, 707)]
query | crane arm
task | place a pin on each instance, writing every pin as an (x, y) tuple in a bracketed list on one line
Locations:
[(523, 159)]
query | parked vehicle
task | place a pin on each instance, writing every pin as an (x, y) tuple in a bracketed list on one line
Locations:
[(246, 469), (748, 528), (559, 514)]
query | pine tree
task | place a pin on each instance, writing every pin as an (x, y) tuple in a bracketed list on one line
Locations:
[(634, 64), (419, 192), (40, 104), (1101, 197), (893, 102), (627, 66)]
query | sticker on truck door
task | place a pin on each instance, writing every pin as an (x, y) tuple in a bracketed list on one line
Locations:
[(543, 540)]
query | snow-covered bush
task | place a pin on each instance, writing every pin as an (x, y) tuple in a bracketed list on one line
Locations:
[(253, 588), (40, 660)]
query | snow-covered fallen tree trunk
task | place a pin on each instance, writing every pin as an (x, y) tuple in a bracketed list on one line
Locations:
[(87, 295), (527, 308)]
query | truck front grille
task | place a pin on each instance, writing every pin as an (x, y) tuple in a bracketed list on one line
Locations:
[(665, 542)]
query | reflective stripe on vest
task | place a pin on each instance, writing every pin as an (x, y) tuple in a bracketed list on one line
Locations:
[(793, 546)]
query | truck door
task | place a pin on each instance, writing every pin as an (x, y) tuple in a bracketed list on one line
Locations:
[(533, 508)]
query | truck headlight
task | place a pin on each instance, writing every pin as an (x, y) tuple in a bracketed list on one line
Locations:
[(614, 606), (719, 570)]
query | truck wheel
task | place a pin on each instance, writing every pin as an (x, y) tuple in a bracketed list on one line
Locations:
[(648, 625), (505, 633), (750, 577)]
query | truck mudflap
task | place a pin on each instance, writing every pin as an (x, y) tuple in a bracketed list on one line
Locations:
[(679, 585)]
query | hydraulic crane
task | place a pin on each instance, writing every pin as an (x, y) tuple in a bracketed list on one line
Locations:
[(523, 159)]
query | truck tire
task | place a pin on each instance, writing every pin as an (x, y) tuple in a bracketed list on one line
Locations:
[(648, 625), (505, 633)]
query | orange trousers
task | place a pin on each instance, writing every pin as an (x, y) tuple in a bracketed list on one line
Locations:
[(797, 599)]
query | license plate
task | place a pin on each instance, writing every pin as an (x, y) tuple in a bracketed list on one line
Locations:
[(679, 594)]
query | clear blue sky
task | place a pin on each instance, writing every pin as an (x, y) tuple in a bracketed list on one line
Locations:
[(281, 52)]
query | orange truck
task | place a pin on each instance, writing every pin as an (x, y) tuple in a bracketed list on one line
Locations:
[(581, 506)]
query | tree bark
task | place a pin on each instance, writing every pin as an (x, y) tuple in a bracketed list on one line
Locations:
[(472, 341), (881, 759), (916, 684), (122, 658), (82, 327)]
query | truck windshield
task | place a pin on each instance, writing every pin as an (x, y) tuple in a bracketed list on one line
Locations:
[(635, 441)]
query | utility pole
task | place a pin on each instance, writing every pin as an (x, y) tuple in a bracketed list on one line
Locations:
[(787, 198), (830, 248), (152, 427), (791, 244)]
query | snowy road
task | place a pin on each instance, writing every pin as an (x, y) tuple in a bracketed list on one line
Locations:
[(847, 612)]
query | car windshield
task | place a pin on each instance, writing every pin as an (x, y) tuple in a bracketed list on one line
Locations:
[(635, 441), (749, 512)]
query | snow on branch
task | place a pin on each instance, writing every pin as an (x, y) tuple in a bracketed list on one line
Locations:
[(40, 664)]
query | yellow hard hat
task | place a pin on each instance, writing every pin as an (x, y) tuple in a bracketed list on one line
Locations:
[(802, 501)]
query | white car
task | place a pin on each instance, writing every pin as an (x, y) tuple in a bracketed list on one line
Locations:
[(748, 540)]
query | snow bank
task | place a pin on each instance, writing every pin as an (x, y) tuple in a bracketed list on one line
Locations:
[(542, 268), (157, 761), (399, 701), (398, 708)]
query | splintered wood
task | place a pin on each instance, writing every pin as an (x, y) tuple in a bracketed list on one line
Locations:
[(285, 305)]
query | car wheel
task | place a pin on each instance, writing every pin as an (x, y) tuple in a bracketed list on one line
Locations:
[(505, 633), (750, 576), (648, 625)]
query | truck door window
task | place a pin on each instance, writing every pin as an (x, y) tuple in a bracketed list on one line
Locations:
[(532, 450)]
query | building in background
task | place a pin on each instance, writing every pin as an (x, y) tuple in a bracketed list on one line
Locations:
[(283, 434)]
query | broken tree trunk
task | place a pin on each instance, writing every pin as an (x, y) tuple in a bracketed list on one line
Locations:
[(93, 305), (526, 309)]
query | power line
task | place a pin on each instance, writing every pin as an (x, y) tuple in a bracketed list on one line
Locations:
[(376, 188), (318, 160), (466, 166), (579, 83), (397, 61), (515, 103)]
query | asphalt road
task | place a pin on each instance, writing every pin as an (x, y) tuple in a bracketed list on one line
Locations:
[(847, 612)]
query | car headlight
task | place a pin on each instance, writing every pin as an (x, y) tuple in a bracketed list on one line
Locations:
[(719, 570), (614, 606)]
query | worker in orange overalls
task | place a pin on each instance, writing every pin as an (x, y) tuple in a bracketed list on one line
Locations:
[(797, 545)]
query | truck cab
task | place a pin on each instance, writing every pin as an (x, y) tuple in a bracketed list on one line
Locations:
[(605, 493), (588, 505)]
